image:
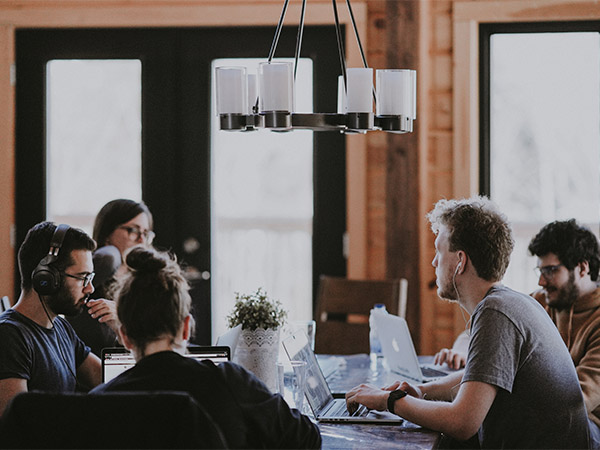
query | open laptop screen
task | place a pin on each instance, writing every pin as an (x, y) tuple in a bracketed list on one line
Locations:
[(118, 359), (317, 392)]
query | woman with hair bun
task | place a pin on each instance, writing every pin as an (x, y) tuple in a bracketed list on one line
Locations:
[(153, 306), (120, 225)]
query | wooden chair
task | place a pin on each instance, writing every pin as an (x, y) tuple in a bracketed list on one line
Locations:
[(343, 308)]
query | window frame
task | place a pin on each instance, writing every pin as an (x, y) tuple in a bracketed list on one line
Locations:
[(486, 30)]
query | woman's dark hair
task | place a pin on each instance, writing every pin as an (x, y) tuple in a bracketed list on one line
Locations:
[(116, 213), (153, 297), (570, 242)]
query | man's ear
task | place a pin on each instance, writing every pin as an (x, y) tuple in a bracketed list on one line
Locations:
[(124, 339), (462, 262), (584, 268)]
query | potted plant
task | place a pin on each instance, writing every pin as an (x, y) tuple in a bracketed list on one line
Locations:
[(261, 319)]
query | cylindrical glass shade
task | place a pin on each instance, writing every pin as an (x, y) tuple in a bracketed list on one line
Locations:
[(252, 92), (232, 97), (276, 86), (341, 99), (396, 92), (360, 90), (231, 85)]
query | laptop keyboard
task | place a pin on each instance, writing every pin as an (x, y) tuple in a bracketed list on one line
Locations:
[(430, 372), (339, 410)]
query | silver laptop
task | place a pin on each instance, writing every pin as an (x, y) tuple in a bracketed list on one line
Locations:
[(116, 360), (324, 407), (399, 351), (230, 339)]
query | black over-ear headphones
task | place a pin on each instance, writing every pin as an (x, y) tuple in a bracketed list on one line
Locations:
[(46, 279)]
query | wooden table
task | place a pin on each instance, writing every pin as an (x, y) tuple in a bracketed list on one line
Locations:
[(351, 371)]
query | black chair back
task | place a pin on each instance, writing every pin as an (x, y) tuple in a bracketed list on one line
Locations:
[(116, 420)]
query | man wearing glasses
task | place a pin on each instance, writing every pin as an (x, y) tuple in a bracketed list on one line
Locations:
[(568, 264), (39, 349)]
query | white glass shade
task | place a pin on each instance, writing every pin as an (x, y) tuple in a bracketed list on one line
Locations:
[(276, 86), (341, 103), (396, 92), (360, 90), (252, 92), (231, 85)]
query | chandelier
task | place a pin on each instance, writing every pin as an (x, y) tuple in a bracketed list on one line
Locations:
[(247, 102)]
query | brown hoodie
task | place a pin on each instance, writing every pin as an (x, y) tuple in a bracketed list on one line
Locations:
[(580, 329)]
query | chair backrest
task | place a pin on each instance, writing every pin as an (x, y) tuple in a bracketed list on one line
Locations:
[(4, 303), (115, 420), (343, 308)]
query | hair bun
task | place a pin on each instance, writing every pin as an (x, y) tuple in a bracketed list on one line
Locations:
[(143, 259)]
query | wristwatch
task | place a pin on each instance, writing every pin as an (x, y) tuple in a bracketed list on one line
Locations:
[(394, 395)]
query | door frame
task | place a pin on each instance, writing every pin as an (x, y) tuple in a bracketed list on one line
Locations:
[(161, 13)]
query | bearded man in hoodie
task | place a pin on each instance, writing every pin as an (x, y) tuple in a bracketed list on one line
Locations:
[(568, 263)]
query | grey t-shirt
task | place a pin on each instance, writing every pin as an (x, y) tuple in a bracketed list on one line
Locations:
[(515, 346)]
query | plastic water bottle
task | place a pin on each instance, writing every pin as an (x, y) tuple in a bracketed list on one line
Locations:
[(374, 342)]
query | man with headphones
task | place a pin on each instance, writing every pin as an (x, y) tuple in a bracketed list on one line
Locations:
[(519, 388), (39, 349)]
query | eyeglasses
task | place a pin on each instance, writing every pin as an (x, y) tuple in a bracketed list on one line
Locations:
[(547, 272), (87, 279), (135, 233)]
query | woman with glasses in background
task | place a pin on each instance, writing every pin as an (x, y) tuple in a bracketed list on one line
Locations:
[(120, 225)]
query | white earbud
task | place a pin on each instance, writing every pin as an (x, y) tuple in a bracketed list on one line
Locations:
[(457, 267)]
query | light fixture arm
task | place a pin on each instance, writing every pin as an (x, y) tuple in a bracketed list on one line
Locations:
[(299, 38), (340, 44)]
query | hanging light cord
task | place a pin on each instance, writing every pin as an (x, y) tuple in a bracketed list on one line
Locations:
[(278, 30), (299, 38), (338, 32)]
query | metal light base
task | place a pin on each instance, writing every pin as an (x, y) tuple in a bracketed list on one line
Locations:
[(394, 124), (240, 122), (360, 122), (277, 120)]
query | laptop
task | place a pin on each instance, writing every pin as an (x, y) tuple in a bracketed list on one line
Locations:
[(399, 351), (230, 339), (320, 399), (116, 360)]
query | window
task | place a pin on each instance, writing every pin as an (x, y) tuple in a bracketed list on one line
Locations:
[(93, 137), (543, 141), (262, 210)]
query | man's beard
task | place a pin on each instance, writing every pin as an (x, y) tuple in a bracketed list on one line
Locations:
[(447, 291), (63, 303), (567, 294)]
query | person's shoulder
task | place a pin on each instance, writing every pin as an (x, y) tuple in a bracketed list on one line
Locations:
[(235, 373), (500, 296), (11, 319)]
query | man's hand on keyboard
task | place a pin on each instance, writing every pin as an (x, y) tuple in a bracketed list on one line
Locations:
[(370, 396)]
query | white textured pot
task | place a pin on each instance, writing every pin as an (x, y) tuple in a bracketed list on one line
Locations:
[(257, 351)]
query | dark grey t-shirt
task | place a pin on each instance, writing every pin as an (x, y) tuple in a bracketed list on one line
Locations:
[(515, 346), (47, 358)]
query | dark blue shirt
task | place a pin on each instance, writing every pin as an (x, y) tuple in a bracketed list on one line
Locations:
[(46, 358)]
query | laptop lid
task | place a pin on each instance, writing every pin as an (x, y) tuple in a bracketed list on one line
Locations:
[(317, 391), (230, 339), (397, 346), (116, 360)]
